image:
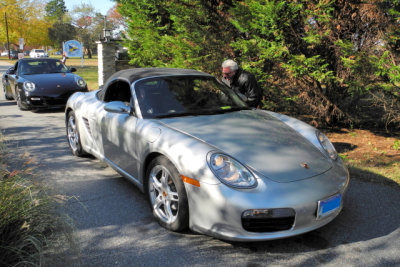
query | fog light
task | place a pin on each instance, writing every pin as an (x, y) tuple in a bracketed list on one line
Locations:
[(35, 98), (257, 213)]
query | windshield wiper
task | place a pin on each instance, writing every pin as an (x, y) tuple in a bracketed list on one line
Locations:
[(181, 114), (230, 109)]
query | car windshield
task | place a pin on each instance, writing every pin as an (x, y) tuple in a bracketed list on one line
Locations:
[(185, 96), (39, 51), (41, 67)]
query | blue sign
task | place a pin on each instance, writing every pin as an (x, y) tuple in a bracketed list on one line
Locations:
[(73, 48)]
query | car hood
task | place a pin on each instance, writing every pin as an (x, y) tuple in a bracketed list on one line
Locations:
[(259, 140), (53, 83)]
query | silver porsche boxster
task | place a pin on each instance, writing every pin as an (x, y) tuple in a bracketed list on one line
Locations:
[(204, 159)]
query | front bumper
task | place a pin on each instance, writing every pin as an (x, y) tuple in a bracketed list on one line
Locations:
[(33, 101), (36, 102), (217, 210)]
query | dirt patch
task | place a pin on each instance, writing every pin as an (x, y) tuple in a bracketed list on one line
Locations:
[(377, 152)]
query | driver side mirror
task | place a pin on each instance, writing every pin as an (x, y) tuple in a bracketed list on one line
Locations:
[(73, 69), (118, 107)]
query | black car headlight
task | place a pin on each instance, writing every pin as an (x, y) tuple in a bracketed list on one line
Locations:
[(80, 82), (327, 145), (231, 172), (29, 86)]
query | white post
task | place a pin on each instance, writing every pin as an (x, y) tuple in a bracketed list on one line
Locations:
[(106, 60)]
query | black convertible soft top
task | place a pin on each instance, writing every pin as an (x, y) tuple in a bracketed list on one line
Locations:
[(135, 74)]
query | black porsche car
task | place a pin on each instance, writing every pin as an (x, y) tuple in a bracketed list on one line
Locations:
[(41, 83)]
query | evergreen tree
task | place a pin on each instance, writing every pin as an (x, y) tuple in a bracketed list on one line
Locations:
[(60, 31), (332, 59), (55, 9), (190, 34)]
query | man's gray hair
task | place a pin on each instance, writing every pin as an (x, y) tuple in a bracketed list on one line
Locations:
[(229, 63)]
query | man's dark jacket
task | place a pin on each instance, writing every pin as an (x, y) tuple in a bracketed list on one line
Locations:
[(245, 83)]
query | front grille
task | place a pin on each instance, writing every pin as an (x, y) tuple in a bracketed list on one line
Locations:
[(36, 102), (55, 101), (272, 221)]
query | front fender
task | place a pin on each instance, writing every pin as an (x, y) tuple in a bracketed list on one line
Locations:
[(187, 153)]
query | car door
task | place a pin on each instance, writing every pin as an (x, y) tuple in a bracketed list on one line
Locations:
[(12, 79), (118, 129)]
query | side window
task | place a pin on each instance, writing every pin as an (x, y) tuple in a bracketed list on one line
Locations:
[(118, 91)]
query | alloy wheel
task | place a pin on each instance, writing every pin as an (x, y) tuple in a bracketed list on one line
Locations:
[(73, 135), (163, 194)]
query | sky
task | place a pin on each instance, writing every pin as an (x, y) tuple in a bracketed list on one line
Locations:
[(100, 5)]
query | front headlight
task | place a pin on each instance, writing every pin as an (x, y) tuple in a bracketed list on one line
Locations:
[(29, 86), (231, 172), (80, 82), (327, 145)]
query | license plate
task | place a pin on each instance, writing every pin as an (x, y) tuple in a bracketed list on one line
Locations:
[(328, 206)]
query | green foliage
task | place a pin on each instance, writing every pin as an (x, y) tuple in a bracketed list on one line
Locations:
[(188, 34), (314, 67), (61, 32), (55, 9), (331, 59), (396, 145)]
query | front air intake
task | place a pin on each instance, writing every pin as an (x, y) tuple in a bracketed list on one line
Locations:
[(268, 220)]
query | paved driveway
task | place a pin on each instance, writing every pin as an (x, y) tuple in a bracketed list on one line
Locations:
[(114, 226)]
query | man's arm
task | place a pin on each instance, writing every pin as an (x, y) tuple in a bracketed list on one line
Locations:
[(252, 90)]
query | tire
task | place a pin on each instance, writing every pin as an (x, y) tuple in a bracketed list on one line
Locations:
[(18, 100), (167, 195), (73, 136)]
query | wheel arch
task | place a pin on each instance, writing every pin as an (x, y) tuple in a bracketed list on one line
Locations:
[(182, 223), (67, 111), (146, 163)]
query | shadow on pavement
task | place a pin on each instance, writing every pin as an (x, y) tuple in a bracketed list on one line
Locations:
[(8, 103), (369, 213)]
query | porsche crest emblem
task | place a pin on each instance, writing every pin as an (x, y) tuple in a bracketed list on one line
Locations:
[(305, 165)]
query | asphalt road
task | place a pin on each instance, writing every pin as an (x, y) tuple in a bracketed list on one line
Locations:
[(114, 226)]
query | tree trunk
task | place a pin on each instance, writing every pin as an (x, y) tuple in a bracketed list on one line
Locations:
[(89, 53)]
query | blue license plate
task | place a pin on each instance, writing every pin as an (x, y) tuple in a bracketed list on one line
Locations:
[(329, 205)]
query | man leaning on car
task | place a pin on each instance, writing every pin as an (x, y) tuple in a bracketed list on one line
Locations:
[(243, 83)]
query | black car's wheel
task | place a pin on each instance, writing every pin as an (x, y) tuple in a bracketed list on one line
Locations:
[(73, 136), (18, 99), (167, 195)]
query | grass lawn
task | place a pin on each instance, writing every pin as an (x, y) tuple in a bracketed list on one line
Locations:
[(88, 72)]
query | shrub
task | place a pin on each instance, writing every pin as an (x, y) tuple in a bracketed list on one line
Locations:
[(335, 60)]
